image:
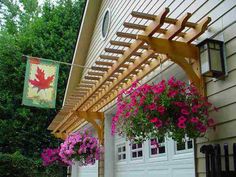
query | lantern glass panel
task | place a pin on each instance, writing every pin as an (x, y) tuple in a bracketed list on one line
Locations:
[(205, 67), (215, 56)]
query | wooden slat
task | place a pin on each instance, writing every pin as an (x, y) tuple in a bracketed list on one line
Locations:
[(85, 85), (116, 51), (126, 44), (120, 43), (178, 27), (81, 89), (88, 82), (132, 36), (95, 73), (196, 32), (108, 57), (91, 78), (126, 35), (97, 68), (167, 20), (104, 63), (134, 26)]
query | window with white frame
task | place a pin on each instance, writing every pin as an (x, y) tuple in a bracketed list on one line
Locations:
[(157, 146), (137, 151), (121, 152), (105, 23), (186, 144)]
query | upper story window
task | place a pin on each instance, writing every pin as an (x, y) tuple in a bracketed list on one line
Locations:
[(105, 23), (137, 151), (121, 152)]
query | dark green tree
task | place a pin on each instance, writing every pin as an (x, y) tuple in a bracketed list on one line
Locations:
[(47, 31)]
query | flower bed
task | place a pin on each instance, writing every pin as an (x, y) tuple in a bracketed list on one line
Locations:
[(81, 147), (170, 108)]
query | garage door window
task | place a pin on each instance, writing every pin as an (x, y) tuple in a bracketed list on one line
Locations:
[(137, 151), (184, 146), (121, 152), (154, 150)]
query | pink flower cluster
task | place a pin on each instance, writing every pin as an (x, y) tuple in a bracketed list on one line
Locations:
[(51, 156), (170, 108), (81, 147)]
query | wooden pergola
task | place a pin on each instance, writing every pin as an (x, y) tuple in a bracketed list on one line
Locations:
[(118, 68)]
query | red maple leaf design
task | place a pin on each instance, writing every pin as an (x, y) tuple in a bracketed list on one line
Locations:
[(41, 82)]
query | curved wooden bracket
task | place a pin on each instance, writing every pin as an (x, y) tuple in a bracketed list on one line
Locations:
[(96, 119), (180, 53)]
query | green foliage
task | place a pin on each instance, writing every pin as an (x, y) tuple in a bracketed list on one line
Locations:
[(49, 32), (17, 165)]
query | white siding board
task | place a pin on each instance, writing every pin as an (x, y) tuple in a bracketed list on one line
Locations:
[(223, 98), (219, 85)]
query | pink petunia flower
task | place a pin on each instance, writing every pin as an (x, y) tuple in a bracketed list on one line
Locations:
[(181, 125), (161, 109), (182, 119), (194, 120), (184, 111), (158, 124)]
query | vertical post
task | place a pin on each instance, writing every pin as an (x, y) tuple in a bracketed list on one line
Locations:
[(212, 161), (101, 161), (218, 160), (234, 154), (226, 151), (204, 150)]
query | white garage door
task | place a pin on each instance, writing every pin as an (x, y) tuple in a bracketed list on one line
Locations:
[(88, 171), (145, 160)]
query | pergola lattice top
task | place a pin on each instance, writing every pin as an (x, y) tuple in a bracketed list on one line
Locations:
[(130, 61)]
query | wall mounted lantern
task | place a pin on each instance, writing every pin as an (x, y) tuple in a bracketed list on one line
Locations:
[(212, 58)]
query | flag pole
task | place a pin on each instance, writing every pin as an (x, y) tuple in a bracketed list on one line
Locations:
[(55, 61)]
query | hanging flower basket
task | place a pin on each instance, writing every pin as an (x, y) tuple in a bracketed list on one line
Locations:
[(170, 108), (81, 147), (51, 157)]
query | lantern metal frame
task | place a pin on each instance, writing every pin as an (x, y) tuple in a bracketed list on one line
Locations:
[(211, 72)]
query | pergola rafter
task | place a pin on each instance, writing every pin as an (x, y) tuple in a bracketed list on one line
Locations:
[(130, 61)]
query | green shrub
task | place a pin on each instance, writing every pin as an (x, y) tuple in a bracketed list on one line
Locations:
[(17, 165)]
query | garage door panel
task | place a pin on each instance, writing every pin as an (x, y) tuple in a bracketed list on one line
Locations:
[(157, 172), (174, 162), (182, 172)]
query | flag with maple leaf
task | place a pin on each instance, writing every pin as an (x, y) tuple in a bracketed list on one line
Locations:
[(40, 87)]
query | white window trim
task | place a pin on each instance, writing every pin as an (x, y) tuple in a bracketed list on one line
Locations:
[(121, 153), (109, 22), (136, 150), (158, 154)]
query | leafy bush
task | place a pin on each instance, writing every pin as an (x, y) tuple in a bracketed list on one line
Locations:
[(17, 165)]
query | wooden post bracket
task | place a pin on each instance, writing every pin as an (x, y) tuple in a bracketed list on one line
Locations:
[(95, 118), (179, 53)]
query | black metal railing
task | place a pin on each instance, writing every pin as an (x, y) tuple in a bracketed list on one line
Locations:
[(213, 161)]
